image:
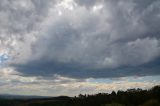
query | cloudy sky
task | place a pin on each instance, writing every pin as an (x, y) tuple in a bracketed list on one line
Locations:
[(67, 47)]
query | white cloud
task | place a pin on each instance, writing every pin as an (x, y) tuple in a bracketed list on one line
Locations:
[(15, 83)]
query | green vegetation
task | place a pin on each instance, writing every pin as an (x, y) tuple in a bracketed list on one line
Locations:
[(131, 97)]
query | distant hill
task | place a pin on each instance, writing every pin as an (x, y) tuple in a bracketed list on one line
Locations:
[(10, 96)]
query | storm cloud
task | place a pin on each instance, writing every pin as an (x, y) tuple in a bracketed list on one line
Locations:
[(81, 38)]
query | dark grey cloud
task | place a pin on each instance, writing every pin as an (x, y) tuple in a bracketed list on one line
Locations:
[(20, 17), (87, 3), (47, 68), (89, 38)]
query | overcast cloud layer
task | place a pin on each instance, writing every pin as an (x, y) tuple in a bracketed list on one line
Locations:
[(81, 38)]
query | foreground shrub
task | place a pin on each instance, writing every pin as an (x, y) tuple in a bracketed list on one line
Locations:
[(151, 103)]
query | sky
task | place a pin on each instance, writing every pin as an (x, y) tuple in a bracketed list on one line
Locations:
[(68, 47)]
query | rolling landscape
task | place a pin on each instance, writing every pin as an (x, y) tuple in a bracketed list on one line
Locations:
[(131, 97), (79, 52)]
